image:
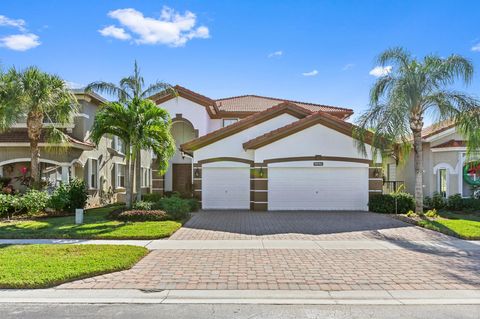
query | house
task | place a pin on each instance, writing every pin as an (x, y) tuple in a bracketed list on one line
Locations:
[(262, 153), (444, 165), (102, 165)]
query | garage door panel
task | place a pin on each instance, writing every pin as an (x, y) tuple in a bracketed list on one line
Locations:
[(319, 188), (226, 188)]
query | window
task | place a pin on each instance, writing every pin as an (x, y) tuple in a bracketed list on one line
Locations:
[(118, 145), (92, 173), (227, 122), (391, 172), (145, 177), (120, 178), (442, 182)]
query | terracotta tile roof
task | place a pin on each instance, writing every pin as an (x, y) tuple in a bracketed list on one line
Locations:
[(316, 118), (451, 143), (21, 136), (256, 103), (244, 105), (437, 128), (247, 122)]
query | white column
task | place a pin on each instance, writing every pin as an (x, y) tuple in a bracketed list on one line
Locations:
[(1, 171), (65, 177), (72, 171)]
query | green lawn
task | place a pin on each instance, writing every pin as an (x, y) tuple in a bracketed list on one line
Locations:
[(465, 226), (41, 266), (96, 226)]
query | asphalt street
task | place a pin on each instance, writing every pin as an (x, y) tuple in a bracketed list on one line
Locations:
[(227, 311)]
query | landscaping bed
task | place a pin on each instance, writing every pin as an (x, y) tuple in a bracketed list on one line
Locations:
[(457, 224), (97, 225), (42, 266)]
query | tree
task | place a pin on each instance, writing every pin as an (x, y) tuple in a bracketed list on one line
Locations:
[(131, 92), (115, 118), (400, 100), (40, 98)]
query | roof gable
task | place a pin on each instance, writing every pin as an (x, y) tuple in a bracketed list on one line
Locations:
[(322, 118), (252, 120), (206, 102)]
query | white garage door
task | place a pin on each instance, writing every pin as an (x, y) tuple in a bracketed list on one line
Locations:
[(317, 188), (226, 187)]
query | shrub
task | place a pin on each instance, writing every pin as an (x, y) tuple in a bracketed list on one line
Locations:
[(176, 207), (142, 215), (60, 199), (143, 205), (399, 203), (432, 213), (194, 204), (68, 197), (7, 206), (78, 194), (438, 201), (411, 213), (455, 202), (152, 197), (427, 202), (33, 201), (471, 204)]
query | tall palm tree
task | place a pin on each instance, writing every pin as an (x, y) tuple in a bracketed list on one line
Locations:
[(115, 118), (131, 90), (414, 89), (39, 97)]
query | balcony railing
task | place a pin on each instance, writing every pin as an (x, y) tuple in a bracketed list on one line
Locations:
[(392, 186)]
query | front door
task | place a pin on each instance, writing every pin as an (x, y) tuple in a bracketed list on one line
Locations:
[(182, 179)]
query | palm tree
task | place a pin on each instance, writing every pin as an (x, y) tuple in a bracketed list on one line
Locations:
[(115, 118), (414, 89), (131, 90), (41, 98)]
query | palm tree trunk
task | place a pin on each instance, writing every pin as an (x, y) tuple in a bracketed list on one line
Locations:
[(128, 181), (138, 175), (418, 166), (131, 177), (34, 128)]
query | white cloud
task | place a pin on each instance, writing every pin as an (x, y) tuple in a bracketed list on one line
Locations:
[(379, 71), (16, 23), (348, 66), (20, 42), (311, 73), (172, 28), (476, 47), (114, 32), (275, 54)]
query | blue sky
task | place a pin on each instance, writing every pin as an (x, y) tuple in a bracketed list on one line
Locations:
[(313, 51)]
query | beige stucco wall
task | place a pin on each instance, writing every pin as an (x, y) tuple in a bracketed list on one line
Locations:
[(79, 158)]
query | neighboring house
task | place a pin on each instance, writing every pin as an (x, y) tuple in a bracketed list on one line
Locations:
[(444, 159), (102, 166), (262, 153)]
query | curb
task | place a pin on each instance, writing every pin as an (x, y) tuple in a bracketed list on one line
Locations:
[(132, 296)]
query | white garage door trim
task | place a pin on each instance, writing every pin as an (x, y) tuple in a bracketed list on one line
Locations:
[(226, 185), (303, 186)]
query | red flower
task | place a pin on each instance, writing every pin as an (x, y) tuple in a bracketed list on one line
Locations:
[(23, 170)]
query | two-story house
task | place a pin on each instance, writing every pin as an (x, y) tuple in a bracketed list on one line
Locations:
[(446, 168), (102, 166), (263, 153)]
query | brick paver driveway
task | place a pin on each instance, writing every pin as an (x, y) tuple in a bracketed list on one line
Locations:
[(218, 225), (345, 268)]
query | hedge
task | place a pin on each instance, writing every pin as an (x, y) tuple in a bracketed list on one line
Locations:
[(399, 203)]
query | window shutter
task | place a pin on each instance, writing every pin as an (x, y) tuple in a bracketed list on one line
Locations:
[(89, 172)]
